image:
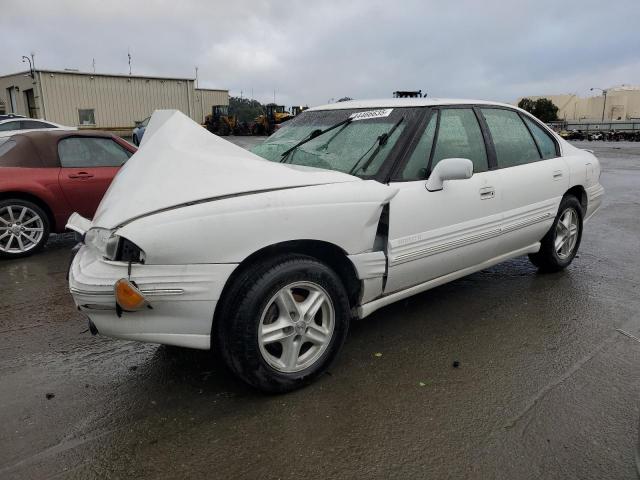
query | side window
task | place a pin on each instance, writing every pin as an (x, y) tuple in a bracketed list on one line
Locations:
[(91, 152), (29, 124), (513, 143), (545, 143), (5, 127), (416, 167), (459, 136)]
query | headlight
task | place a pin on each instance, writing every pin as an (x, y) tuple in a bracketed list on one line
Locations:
[(103, 240)]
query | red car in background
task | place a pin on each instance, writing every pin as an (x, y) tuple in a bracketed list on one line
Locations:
[(45, 176)]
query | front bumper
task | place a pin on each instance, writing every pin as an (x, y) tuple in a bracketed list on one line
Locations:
[(182, 298)]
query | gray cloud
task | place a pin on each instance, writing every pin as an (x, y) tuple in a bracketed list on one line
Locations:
[(312, 52)]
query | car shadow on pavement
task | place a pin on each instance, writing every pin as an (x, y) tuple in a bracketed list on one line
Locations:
[(200, 372)]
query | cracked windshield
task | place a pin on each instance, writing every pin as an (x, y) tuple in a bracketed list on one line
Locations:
[(349, 141)]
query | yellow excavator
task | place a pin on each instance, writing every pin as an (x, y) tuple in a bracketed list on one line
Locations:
[(220, 122), (270, 121), (298, 109)]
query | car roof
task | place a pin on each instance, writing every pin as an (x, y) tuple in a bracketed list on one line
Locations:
[(405, 102), (10, 119), (10, 116)]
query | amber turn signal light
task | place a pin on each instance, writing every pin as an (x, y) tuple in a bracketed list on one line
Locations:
[(128, 296)]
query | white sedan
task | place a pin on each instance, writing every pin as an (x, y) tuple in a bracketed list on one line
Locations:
[(11, 125), (265, 257)]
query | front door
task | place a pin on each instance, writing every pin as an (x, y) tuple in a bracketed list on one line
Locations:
[(88, 167), (432, 234)]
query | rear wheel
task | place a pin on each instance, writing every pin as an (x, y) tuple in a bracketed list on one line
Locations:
[(560, 245), (24, 228), (283, 323)]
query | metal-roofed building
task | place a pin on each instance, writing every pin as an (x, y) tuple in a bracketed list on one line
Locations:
[(620, 103), (104, 101)]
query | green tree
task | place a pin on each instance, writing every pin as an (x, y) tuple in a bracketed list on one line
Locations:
[(527, 104), (245, 108), (545, 110), (542, 108)]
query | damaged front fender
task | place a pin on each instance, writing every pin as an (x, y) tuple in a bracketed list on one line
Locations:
[(229, 230)]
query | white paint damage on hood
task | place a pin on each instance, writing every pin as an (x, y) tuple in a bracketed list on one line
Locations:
[(180, 162)]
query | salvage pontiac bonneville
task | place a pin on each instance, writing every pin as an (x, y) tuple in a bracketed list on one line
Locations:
[(265, 257)]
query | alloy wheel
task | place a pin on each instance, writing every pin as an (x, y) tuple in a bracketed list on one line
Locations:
[(296, 327), (21, 229), (567, 231)]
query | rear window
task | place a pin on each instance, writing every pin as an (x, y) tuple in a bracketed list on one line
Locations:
[(6, 145)]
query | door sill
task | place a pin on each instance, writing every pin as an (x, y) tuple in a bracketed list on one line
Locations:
[(370, 307)]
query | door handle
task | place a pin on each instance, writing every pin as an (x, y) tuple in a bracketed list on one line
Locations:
[(487, 192), (558, 174), (80, 175)]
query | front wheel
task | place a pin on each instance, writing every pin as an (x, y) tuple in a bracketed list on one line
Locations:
[(559, 246), (283, 323), (24, 228)]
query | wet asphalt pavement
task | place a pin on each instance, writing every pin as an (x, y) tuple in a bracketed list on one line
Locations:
[(546, 387)]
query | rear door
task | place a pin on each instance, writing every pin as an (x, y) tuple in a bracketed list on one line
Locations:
[(88, 165), (432, 234), (533, 175)]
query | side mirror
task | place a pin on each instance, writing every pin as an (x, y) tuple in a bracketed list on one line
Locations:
[(449, 169)]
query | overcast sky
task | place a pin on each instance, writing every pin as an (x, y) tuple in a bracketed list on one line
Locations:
[(312, 52)]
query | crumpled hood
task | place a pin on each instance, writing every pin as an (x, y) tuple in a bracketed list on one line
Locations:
[(180, 162)]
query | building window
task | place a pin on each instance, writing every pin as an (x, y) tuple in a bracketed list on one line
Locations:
[(86, 117)]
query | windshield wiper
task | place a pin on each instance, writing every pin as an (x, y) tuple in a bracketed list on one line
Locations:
[(382, 141), (312, 135)]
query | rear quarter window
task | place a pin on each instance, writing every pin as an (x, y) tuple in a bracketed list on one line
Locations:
[(545, 143)]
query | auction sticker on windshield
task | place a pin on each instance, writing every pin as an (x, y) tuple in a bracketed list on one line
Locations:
[(385, 112)]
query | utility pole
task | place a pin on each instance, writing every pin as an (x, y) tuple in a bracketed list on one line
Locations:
[(129, 56), (604, 103)]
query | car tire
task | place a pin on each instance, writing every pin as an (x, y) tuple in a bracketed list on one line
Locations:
[(253, 316), (135, 141), (559, 246), (24, 228)]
